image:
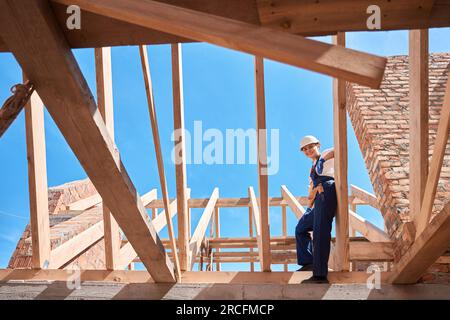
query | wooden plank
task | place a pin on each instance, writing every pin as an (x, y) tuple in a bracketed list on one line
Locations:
[(340, 167), (351, 65), (371, 251), (200, 231), (149, 197), (250, 233), (292, 202), (62, 254), (263, 175), (37, 181), (418, 120), (436, 164), (223, 277), (321, 17), (368, 230), (284, 229), (426, 249), (365, 196), (84, 204), (159, 159), (29, 28), (105, 104), (180, 161)]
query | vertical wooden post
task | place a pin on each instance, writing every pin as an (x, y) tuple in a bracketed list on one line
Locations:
[(37, 181), (180, 161), (284, 228), (106, 108), (250, 232), (418, 120), (262, 163), (340, 154), (217, 229)]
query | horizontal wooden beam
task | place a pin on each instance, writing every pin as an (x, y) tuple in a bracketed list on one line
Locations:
[(30, 29), (335, 61), (426, 249), (222, 277), (85, 203)]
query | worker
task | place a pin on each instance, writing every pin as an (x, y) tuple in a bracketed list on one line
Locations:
[(313, 254)]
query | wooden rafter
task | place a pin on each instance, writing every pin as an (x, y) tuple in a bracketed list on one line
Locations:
[(370, 231), (29, 28), (365, 196), (302, 17), (426, 249), (351, 65), (159, 159), (37, 181), (292, 202), (200, 230)]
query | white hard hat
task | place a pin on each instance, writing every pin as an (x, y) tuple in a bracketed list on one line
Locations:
[(308, 140)]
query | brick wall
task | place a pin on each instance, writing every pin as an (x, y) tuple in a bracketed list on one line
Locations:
[(380, 119)]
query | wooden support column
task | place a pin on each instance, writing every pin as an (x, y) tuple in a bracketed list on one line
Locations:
[(418, 120), (340, 161), (180, 155), (37, 181), (217, 232), (250, 233), (30, 29), (159, 159), (284, 228), (263, 181), (106, 108)]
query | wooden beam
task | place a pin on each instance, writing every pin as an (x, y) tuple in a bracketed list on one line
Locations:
[(262, 247), (321, 17), (426, 249), (371, 251), (217, 231), (307, 20), (263, 174), (149, 197), (37, 181), (435, 164), (292, 202), (200, 231), (418, 120), (70, 249), (284, 229), (159, 159), (127, 253), (84, 204), (250, 233), (29, 28), (340, 167), (365, 196), (180, 161), (106, 107), (351, 65), (369, 231)]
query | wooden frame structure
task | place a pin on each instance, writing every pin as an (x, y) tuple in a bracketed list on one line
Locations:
[(35, 29)]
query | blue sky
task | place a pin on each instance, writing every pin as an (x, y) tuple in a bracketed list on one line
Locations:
[(219, 91)]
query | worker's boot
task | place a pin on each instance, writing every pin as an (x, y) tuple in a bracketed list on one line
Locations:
[(316, 279)]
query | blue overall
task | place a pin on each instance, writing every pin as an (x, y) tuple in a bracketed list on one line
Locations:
[(318, 220)]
